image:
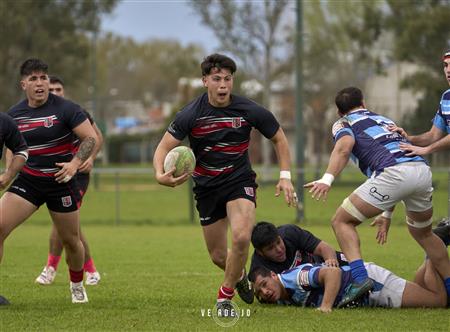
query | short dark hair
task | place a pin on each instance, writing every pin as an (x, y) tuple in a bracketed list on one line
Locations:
[(218, 61), (55, 80), (446, 55), (33, 65), (259, 271), (348, 99), (264, 233)]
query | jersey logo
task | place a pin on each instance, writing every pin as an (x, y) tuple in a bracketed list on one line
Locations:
[(236, 123), (66, 201), (249, 191), (304, 278), (48, 122)]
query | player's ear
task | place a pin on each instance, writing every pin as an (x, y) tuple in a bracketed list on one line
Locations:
[(205, 84), (22, 84), (273, 275)]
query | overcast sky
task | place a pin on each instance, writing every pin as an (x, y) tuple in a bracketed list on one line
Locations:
[(161, 19)]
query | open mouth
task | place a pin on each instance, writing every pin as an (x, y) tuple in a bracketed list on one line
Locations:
[(222, 94), (39, 91)]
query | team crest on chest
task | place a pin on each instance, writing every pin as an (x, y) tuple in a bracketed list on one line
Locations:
[(66, 201), (236, 122), (48, 122)]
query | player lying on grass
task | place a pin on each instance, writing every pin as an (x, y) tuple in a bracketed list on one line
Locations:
[(287, 246), (313, 285)]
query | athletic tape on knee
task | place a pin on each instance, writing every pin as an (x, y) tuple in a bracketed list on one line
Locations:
[(348, 206), (419, 224)]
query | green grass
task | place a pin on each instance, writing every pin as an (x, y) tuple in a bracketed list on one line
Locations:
[(160, 278), (156, 273)]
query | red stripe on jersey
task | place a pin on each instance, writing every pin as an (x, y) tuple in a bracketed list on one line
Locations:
[(24, 126), (52, 150), (241, 148), (205, 128), (34, 172), (202, 171)]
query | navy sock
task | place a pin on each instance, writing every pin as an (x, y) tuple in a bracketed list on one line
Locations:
[(447, 285), (358, 271)]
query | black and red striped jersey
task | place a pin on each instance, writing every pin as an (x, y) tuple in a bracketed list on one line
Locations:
[(11, 137), (47, 130), (220, 136)]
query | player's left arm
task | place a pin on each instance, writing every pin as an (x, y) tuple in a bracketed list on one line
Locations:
[(330, 278), (86, 134), (87, 166), (281, 145), (16, 152), (328, 254), (338, 160)]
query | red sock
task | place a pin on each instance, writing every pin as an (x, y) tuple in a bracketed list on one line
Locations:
[(76, 276), (53, 261), (225, 293), (89, 266)]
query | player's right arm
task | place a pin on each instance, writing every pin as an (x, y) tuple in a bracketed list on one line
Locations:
[(338, 160), (167, 143), (330, 278), (428, 138)]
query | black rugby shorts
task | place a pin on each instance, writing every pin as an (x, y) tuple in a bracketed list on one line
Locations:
[(212, 204), (59, 197)]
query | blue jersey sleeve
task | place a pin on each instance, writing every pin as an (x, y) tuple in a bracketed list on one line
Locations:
[(340, 129), (442, 118)]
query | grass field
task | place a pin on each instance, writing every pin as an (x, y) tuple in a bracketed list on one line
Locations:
[(156, 273)]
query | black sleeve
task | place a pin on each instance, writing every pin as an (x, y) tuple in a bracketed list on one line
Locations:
[(74, 115), (300, 238), (183, 123), (256, 262), (263, 120), (13, 139), (88, 116)]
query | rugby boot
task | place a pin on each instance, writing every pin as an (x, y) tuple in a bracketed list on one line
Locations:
[(93, 278), (354, 291), (442, 230), (47, 276), (78, 292), (225, 308), (245, 289), (3, 301)]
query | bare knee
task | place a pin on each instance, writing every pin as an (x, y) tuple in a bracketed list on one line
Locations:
[(219, 257), (241, 241)]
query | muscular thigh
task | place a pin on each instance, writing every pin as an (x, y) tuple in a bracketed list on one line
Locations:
[(14, 210), (66, 223)]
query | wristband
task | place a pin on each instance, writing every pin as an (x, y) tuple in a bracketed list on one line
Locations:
[(327, 179), (387, 214), (285, 175)]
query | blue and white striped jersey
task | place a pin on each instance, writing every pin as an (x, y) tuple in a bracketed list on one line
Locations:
[(442, 117), (376, 147), (302, 284)]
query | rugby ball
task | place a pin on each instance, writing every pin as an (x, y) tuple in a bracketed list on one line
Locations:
[(182, 158)]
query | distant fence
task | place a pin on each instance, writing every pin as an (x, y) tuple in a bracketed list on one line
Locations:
[(132, 195)]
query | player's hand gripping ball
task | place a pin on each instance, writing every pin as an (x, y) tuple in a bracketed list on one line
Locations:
[(182, 158)]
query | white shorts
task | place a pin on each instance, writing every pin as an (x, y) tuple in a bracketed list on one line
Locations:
[(408, 182), (388, 289)]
